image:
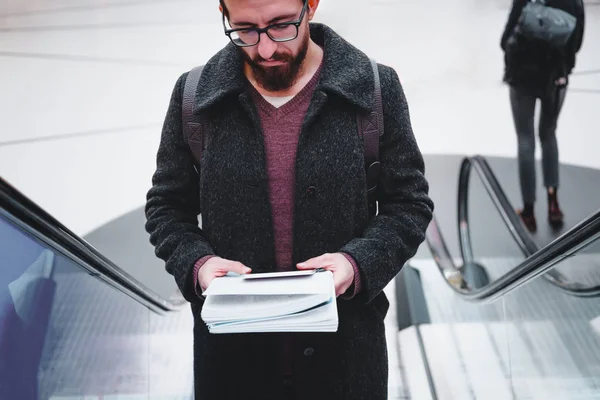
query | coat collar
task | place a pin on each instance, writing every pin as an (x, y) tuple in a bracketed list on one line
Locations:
[(346, 72)]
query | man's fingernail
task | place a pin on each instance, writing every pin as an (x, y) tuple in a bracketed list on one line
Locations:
[(302, 265), (247, 270)]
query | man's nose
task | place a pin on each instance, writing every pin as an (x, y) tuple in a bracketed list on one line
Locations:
[(266, 47)]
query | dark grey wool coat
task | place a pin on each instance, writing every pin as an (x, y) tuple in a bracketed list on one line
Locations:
[(231, 191)]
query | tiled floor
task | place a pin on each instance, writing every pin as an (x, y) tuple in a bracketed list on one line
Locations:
[(535, 342)]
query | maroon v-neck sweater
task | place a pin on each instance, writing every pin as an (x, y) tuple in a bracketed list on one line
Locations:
[(281, 131), (281, 128)]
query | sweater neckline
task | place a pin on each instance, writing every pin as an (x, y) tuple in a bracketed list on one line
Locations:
[(279, 112)]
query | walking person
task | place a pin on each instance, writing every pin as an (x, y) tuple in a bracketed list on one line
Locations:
[(538, 70)]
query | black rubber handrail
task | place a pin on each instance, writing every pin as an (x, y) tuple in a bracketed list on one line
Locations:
[(579, 237), (496, 193), (512, 222), (538, 261), (29, 216)]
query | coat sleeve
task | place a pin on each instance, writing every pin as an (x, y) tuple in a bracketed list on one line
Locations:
[(173, 203), (580, 27), (513, 18), (405, 209), (577, 39)]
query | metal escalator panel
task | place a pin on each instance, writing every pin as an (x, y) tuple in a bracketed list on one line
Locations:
[(516, 325), (66, 333), (554, 340), (538, 339), (534, 342)]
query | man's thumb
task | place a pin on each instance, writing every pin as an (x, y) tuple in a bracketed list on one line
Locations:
[(238, 268), (313, 263)]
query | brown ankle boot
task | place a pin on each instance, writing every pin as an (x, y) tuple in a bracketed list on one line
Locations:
[(555, 215), (529, 221)]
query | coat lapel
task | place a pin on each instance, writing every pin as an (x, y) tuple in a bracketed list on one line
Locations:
[(346, 73), (318, 101)]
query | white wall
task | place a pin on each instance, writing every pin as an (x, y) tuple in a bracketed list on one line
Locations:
[(107, 72)]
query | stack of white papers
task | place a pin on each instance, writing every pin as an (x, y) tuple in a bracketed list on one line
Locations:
[(277, 302)]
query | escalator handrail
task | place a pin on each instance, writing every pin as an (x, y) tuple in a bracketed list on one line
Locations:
[(52, 232), (510, 219), (577, 238), (501, 202)]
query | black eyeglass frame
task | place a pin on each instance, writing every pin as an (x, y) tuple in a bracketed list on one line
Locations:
[(260, 31)]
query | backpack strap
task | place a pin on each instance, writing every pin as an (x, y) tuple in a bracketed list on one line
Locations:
[(370, 128), (193, 133)]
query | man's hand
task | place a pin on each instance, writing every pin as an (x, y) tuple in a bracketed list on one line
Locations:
[(216, 267), (343, 273)]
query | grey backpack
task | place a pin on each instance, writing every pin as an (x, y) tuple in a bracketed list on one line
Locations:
[(541, 22)]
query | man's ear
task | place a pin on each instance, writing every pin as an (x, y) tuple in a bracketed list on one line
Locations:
[(312, 8)]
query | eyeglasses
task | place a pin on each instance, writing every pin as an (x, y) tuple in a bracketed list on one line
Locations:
[(280, 32)]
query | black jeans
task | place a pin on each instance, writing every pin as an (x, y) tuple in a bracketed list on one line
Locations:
[(523, 110)]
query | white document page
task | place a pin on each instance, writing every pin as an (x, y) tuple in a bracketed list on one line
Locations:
[(277, 304), (232, 307), (236, 285)]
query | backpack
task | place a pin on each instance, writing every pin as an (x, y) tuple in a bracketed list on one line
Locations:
[(370, 128), (541, 22)]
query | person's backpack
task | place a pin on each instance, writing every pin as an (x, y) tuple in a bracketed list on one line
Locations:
[(541, 22), (370, 128)]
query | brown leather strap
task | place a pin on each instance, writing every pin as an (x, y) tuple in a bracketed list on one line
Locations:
[(193, 132), (370, 128)]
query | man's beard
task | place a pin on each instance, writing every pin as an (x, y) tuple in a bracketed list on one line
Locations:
[(281, 77)]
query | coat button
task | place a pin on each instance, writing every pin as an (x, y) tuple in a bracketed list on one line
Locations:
[(309, 351), (311, 191)]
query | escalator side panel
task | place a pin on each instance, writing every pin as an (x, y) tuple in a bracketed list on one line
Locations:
[(66, 333)]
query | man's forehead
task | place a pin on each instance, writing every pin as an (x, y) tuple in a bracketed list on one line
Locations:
[(253, 3), (261, 12), (258, 7)]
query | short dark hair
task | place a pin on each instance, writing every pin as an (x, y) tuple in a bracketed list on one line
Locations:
[(222, 2)]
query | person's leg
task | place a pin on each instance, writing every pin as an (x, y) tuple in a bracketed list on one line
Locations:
[(551, 106), (523, 110)]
